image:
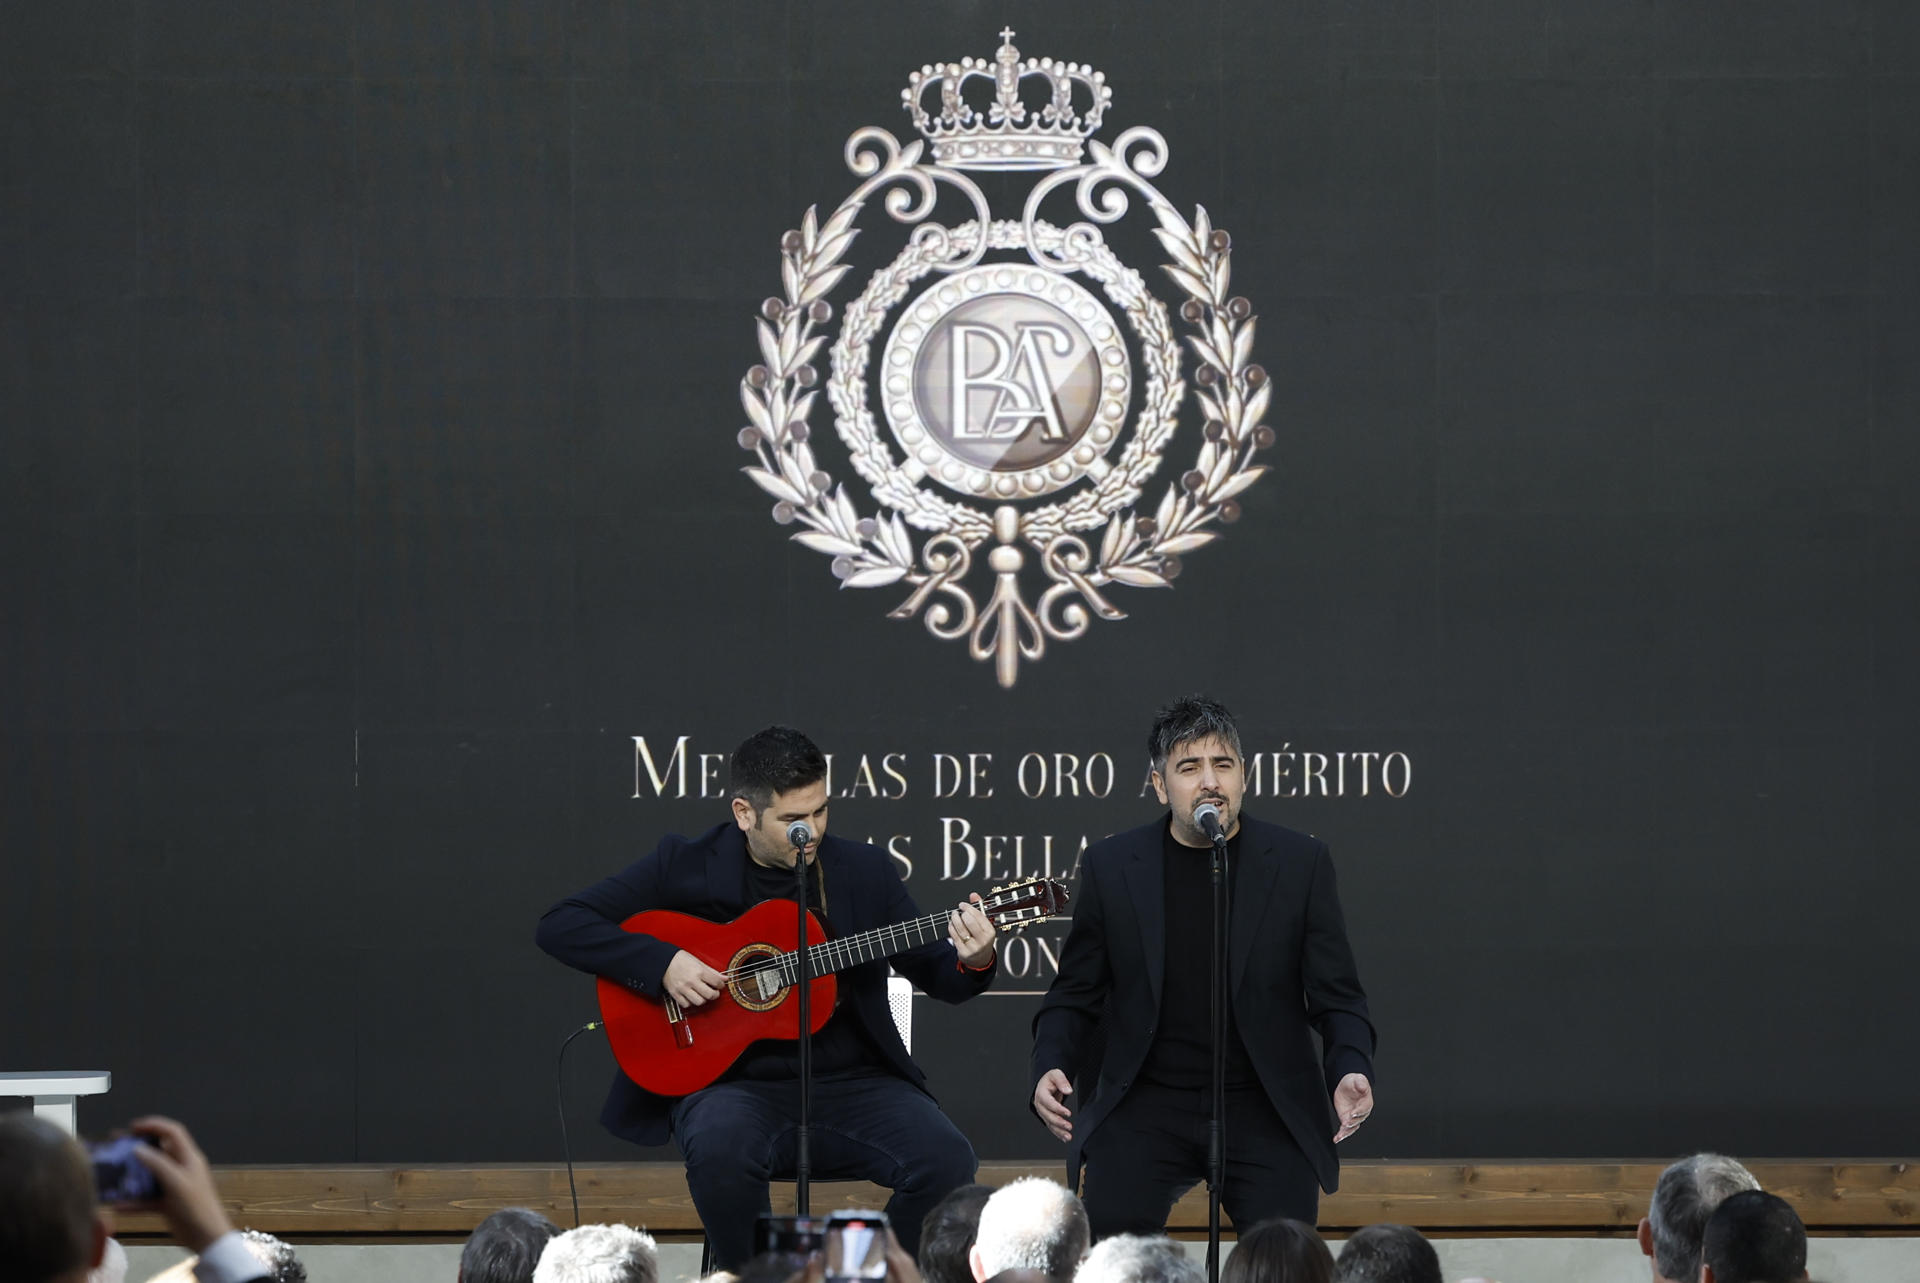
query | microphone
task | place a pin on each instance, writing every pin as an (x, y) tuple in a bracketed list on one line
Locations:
[(799, 836), (1206, 818)]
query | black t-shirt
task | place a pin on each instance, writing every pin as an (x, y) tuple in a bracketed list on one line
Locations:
[(1182, 1051), (841, 1043)]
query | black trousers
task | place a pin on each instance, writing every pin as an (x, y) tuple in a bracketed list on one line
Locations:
[(866, 1125), (1153, 1148)]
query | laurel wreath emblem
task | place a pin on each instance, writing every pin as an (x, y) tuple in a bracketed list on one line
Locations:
[(875, 551)]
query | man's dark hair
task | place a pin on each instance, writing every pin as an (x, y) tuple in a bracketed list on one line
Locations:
[(46, 1199), (506, 1246), (1387, 1254), (774, 761), (1193, 718), (946, 1234), (1755, 1237), (1279, 1251)]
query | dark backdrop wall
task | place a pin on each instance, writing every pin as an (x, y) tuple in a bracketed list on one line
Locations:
[(369, 374)]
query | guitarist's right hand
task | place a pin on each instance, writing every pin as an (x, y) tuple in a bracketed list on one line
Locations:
[(691, 982)]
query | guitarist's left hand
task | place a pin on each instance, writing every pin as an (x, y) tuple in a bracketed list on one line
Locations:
[(971, 933)]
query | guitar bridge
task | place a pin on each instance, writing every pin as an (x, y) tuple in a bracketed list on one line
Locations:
[(682, 1027)]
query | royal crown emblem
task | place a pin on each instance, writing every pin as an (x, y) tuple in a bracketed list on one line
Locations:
[(1006, 135), (1015, 419)]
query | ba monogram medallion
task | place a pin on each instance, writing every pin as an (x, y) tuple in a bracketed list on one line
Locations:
[(1001, 355)]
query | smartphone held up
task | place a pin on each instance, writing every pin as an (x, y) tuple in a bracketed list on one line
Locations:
[(119, 1177), (856, 1246)]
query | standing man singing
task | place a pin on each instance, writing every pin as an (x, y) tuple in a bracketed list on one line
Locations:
[(872, 1116), (1136, 968)]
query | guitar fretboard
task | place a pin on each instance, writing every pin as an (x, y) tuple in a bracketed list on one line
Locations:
[(851, 951)]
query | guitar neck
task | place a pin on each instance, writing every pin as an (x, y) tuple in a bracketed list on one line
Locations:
[(881, 942)]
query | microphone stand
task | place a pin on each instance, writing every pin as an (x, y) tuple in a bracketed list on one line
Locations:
[(803, 976), (1216, 1124)]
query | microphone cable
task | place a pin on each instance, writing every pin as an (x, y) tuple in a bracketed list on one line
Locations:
[(560, 1093)]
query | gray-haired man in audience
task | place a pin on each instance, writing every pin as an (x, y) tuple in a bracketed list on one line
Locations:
[(599, 1254), (1033, 1226), (1137, 1258), (1683, 1200), (283, 1264)]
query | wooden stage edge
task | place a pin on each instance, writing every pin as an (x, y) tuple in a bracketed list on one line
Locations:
[(1503, 1197)]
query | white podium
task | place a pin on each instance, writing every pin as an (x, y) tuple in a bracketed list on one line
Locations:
[(900, 1005), (56, 1092)]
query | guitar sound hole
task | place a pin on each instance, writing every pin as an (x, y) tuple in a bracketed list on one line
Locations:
[(746, 987)]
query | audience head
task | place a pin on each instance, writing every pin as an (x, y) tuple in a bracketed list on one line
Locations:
[(1134, 1258), (1754, 1237), (50, 1229), (1387, 1254), (277, 1255), (947, 1232), (506, 1246), (599, 1254), (1683, 1199), (772, 1267), (1031, 1224), (1279, 1251)]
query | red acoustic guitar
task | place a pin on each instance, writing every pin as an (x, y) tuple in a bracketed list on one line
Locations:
[(672, 1052)]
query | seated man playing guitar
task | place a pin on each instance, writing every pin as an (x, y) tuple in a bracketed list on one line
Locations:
[(698, 1020)]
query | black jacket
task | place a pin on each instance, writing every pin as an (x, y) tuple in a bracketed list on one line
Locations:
[(1290, 974), (707, 876)]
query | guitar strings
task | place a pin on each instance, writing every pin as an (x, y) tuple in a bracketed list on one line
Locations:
[(846, 949)]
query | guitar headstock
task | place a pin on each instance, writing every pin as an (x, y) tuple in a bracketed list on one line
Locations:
[(1021, 904)]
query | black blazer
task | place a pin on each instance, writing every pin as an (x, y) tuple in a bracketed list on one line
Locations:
[(707, 876), (1290, 974)]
